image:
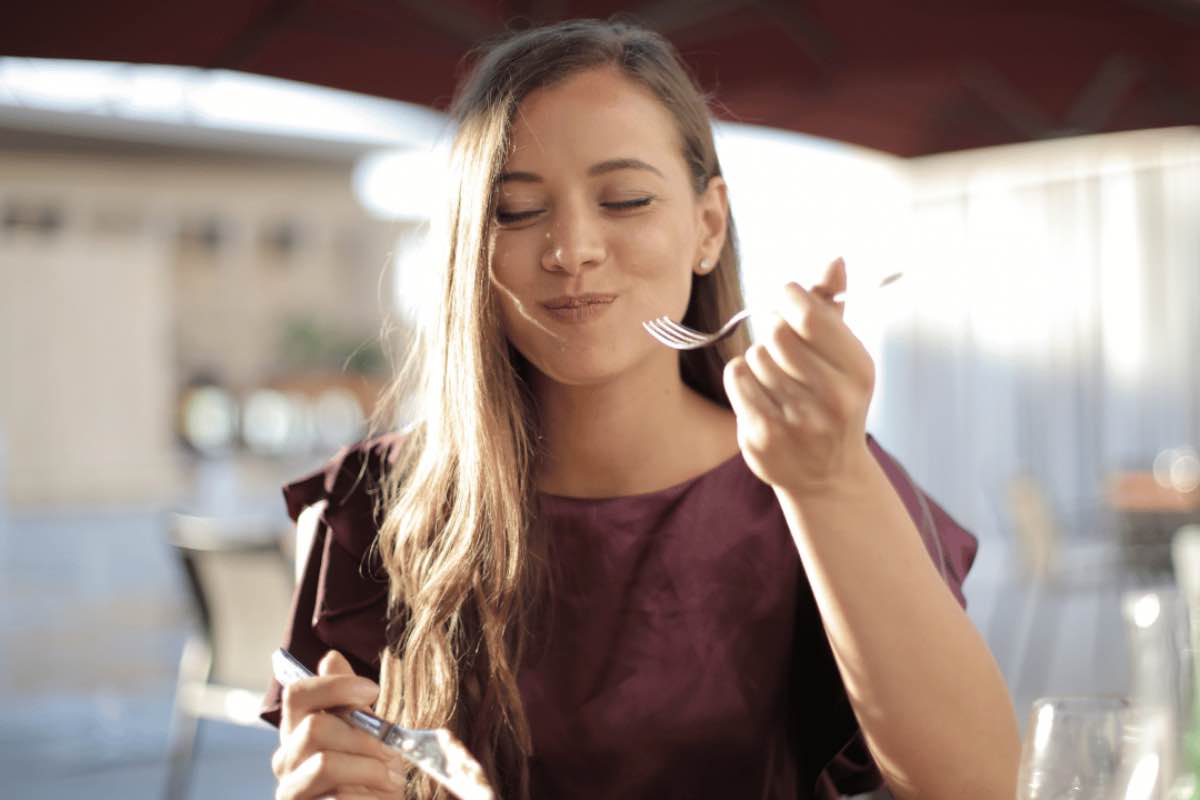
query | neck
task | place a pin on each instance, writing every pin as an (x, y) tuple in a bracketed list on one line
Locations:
[(642, 432)]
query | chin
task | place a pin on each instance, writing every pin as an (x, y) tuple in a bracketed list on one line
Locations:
[(586, 366), (576, 373)]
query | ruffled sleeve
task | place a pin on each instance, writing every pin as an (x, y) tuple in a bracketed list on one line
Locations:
[(851, 769), (340, 602), (951, 547)]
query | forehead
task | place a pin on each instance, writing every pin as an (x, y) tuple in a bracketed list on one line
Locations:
[(591, 117)]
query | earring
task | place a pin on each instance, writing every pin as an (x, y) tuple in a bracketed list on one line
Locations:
[(705, 265)]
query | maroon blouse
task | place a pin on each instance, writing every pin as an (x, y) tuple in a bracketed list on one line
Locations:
[(684, 658)]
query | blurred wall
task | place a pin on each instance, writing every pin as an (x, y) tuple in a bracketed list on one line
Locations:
[(125, 274)]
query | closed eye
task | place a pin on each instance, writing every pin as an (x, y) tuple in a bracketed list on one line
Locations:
[(625, 205), (517, 217), (514, 217)]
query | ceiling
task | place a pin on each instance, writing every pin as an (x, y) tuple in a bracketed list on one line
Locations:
[(908, 78)]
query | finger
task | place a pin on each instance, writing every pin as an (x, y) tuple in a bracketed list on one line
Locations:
[(800, 364), (791, 393), (324, 774), (332, 688), (356, 793), (832, 281), (334, 663), (746, 395), (793, 355), (821, 328), (325, 733)]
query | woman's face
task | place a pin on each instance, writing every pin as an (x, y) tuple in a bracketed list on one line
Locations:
[(597, 227)]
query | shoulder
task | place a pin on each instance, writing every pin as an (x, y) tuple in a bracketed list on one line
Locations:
[(341, 597), (348, 491)]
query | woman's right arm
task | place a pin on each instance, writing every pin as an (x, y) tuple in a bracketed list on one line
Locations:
[(320, 755)]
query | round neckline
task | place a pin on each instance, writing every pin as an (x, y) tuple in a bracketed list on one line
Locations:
[(676, 488)]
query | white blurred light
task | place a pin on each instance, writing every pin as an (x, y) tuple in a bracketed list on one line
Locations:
[(403, 184), (209, 419), (1043, 728), (338, 418), (413, 273), (242, 705), (304, 430), (1146, 610), (58, 85), (1144, 777), (1162, 467), (1121, 273), (217, 99), (154, 90), (267, 422), (1185, 471)]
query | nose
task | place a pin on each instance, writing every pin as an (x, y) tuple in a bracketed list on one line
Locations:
[(573, 243)]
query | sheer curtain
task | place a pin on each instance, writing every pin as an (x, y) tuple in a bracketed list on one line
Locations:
[(1052, 326)]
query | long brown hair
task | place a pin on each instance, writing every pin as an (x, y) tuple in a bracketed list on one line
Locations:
[(458, 538)]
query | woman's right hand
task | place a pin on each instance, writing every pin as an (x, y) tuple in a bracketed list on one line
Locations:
[(321, 755)]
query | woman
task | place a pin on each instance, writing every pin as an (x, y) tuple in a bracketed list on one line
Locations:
[(615, 570)]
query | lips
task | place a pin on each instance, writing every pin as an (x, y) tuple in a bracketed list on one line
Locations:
[(577, 308), (573, 301)]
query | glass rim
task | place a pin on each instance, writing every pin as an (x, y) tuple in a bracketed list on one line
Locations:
[(1073, 702), (1072, 709)]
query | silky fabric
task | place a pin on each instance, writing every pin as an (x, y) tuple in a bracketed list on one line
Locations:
[(682, 655)]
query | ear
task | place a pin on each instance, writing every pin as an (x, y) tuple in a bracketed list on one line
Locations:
[(712, 214)]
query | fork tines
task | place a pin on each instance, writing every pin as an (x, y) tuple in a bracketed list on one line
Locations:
[(672, 334)]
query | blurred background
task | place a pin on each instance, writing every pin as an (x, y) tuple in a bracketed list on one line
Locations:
[(212, 221)]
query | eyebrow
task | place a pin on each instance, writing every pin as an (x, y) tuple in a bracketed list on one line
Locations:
[(602, 168)]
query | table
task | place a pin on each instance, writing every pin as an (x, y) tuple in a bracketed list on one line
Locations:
[(1148, 514)]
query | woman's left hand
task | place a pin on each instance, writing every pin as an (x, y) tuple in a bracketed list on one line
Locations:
[(801, 394)]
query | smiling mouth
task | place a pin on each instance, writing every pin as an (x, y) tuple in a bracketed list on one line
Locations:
[(579, 307)]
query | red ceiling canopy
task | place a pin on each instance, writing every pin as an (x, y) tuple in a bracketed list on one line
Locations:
[(908, 78)]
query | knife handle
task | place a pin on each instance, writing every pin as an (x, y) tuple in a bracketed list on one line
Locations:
[(288, 669)]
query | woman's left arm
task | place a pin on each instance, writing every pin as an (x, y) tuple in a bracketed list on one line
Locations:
[(928, 695)]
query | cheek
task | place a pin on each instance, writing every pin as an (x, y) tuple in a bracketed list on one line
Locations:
[(506, 255), (511, 300), (652, 248), (515, 273), (657, 255), (515, 287)]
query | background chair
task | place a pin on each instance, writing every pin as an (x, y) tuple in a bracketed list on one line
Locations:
[(1071, 586), (240, 581), (1048, 555)]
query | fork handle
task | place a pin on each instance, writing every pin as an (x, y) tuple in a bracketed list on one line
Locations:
[(847, 294), (288, 669)]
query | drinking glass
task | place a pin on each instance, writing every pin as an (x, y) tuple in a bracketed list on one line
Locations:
[(1091, 748)]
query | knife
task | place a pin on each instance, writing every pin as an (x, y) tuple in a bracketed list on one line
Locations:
[(436, 752)]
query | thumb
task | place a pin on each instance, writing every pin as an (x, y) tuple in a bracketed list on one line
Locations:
[(334, 663), (832, 281)]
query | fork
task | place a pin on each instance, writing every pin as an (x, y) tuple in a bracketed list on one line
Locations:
[(436, 752), (681, 337)]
